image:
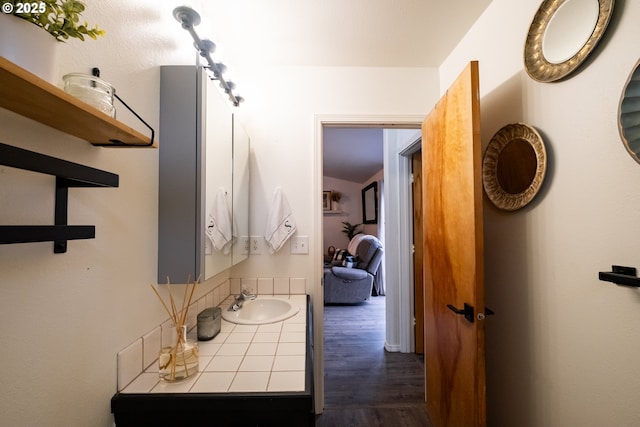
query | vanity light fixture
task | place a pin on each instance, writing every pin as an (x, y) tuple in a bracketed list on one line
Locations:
[(189, 18)]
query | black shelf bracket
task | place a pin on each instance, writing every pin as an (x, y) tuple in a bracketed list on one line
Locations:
[(95, 71), (625, 276), (68, 174)]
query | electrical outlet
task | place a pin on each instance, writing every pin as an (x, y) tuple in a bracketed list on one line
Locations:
[(255, 245), (300, 244), (245, 243)]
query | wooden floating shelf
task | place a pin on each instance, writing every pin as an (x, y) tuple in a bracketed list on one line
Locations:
[(28, 95)]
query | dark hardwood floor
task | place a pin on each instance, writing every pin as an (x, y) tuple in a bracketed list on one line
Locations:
[(366, 386)]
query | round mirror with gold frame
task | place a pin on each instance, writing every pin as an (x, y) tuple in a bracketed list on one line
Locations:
[(514, 166), (562, 34)]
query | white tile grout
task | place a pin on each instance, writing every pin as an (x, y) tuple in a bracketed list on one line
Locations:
[(237, 340)]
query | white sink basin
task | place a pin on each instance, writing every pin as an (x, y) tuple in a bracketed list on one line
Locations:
[(261, 310)]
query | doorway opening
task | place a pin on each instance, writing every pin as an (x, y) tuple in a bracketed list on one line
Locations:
[(399, 320), (353, 212)]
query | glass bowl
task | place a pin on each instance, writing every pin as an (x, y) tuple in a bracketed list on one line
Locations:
[(91, 90)]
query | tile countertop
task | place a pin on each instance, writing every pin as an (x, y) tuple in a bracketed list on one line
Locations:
[(242, 358)]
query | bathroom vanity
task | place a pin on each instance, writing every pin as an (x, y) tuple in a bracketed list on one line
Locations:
[(207, 400)]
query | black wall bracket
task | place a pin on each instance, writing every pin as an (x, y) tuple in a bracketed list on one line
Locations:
[(620, 275), (95, 71), (67, 175)]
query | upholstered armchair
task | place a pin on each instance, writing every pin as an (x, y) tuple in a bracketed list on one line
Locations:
[(352, 285)]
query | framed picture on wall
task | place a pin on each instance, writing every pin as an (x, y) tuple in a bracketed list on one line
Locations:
[(326, 200), (370, 204)]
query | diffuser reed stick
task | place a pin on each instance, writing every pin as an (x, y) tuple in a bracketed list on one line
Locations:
[(182, 350)]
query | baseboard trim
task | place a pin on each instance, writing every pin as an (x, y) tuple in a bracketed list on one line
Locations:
[(391, 348)]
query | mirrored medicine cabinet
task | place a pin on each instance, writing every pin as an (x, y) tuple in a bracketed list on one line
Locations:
[(203, 178)]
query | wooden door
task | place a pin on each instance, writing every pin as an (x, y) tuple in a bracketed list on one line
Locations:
[(418, 256), (453, 256)]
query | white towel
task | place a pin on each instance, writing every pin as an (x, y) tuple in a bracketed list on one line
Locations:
[(280, 223), (219, 226)]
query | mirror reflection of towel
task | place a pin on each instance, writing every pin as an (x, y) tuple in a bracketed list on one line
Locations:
[(280, 224), (219, 225)]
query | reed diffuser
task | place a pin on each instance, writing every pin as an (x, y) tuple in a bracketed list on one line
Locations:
[(179, 360)]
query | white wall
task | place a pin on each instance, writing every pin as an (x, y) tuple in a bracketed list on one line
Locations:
[(64, 317), (399, 145), (562, 348), (350, 208), (280, 117)]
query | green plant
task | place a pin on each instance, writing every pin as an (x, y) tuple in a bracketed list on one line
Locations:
[(60, 18), (350, 229)]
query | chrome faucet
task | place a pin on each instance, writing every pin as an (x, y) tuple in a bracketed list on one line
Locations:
[(240, 299)]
